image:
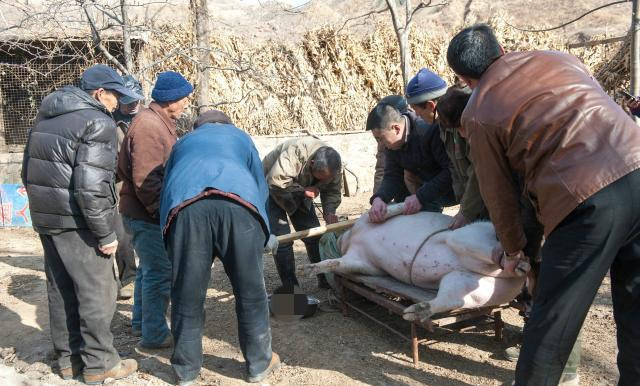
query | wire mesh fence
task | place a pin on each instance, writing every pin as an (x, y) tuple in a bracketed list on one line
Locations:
[(22, 88)]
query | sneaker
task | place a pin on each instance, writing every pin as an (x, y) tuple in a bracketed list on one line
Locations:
[(273, 366), (166, 343), (123, 369), (512, 353), (126, 292)]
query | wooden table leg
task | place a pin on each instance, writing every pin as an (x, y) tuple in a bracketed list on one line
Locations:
[(343, 297), (414, 344), (498, 324)]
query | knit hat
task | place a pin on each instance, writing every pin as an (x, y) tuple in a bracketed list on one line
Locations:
[(396, 101), (425, 86), (212, 116), (170, 86)]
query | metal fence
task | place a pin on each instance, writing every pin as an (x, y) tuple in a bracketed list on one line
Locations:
[(22, 88)]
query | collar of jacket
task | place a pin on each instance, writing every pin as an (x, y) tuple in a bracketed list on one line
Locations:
[(168, 122)]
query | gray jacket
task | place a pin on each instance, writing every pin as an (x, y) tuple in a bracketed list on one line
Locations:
[(69, 165)]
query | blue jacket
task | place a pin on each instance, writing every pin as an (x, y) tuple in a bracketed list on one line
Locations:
[(216, 156)]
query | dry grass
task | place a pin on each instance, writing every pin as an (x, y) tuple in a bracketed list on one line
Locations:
[(330, 80)]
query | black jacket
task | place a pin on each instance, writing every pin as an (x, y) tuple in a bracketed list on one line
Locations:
[(69, 165), (424, 155)]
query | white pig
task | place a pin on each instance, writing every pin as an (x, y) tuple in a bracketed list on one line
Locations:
[(457, 263)]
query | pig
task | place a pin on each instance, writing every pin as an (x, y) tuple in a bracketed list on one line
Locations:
[(457, 262)]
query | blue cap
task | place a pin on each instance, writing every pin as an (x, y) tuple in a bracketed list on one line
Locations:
[(132, 84), (425, 86), (170, 86), (101, 76)]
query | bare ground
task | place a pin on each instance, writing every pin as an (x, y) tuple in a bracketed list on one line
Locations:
[(327, 349)]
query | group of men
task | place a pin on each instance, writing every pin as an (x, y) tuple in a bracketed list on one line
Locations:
[(531, 142)]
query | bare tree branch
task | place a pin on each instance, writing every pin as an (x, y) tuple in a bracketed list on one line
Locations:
[(360, 17), (98, 41), (571, 21)]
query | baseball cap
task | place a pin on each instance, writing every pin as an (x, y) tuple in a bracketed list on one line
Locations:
[(132, 84), (101, 76)]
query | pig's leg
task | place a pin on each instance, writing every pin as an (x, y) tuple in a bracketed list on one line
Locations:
[(349, 263), (459, 290)]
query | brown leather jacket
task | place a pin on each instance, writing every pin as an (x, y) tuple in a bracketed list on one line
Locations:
[(144, 152), (541, 115)]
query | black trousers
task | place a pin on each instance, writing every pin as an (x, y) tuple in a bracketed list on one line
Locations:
[(125, 257), (81, 287), (220, 227), (303, 218), (602, 234)]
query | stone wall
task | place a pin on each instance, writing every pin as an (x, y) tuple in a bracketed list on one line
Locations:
[(10, 167)]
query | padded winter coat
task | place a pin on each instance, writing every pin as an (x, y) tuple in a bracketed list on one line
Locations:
[(69, 165)]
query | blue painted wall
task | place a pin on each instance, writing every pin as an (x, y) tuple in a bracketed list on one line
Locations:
[(14, 206)]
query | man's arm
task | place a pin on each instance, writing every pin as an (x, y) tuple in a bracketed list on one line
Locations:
[(93, 178), (393, 178), (440, 185), (331, 194), (497, 187)]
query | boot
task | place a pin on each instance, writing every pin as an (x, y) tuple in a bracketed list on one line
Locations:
[(123, 369), (73, 372), (273, 366)]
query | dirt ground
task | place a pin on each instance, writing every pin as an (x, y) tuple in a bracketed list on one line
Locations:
[(327, 349)]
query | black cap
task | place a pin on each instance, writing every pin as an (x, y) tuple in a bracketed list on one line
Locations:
[(101, 76)]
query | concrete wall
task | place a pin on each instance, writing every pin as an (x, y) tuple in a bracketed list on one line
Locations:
[(357, 149)]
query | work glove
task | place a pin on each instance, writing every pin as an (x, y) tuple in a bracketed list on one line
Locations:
[(272, 245)]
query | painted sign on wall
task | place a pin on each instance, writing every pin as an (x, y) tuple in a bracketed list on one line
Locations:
[(14, 206)]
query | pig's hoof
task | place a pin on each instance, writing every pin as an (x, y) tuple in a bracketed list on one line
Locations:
[(418, 312), (306, 270)]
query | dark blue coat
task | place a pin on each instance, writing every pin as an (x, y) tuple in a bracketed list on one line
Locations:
[(216, 156)]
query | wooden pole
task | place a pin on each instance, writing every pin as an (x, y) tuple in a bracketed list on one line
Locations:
[(635, 50), (392, 210)]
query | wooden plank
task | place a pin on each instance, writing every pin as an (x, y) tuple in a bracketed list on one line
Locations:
[(391, 286)]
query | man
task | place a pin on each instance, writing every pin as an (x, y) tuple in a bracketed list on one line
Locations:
[(128, 107), (423, 92), (144, 153), (297, 171), (415, 157), (401, 105), (69, 173), (214, 203), (578, 153)]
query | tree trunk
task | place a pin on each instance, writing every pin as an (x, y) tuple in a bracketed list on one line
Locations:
[(635, 50), (405, 57), (126, 38), (201, 16)]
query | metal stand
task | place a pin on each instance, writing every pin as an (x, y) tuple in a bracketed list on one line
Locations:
[(371, 288)]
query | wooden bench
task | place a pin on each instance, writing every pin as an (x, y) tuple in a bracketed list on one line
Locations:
[(395, 296)]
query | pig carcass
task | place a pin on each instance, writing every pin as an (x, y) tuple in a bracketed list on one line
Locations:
[(409, 248)]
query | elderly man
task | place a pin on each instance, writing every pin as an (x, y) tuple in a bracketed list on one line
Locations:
[(297, 171), (415, 157), (144, 153), (69, 173), (578, 153), (423, 92), (401, 105), (214, 203)]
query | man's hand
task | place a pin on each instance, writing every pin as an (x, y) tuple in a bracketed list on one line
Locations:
[(458, 221), (378, 210), (509, 262), (633, 104), (330, 218), (311, 192), (272, 245), (412, 205), (110, 248)]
